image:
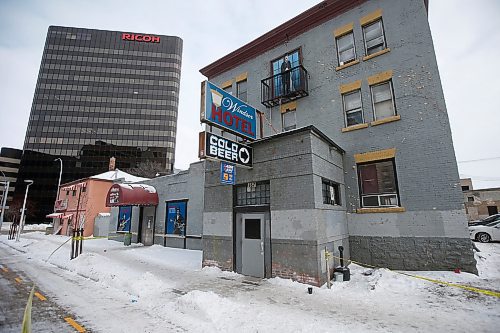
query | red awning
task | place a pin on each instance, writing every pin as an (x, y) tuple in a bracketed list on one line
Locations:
[(131, 195), (54, 215)]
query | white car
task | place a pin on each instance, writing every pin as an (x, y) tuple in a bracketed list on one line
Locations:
[(485, 233)]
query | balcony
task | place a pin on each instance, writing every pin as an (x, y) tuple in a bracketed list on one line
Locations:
[(284, 87)]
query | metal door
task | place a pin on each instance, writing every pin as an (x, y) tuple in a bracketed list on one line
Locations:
[(252, 245), (147, 230)]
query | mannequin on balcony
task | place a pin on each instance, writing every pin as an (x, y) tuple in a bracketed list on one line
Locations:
[(286, 66)]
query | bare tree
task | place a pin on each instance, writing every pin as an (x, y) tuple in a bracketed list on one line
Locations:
[(148, 169)]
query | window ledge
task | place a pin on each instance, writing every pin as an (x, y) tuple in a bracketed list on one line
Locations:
[(376, 54), (354, 127), (385, 120), (349, 64), (381, 210)]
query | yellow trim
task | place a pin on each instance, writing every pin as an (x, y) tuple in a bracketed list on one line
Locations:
[(375, 155), (354, 127), (381, 210), (226, 84), (385, 120), (288, 107), (75, 325), (343, 30), (376, 54), (40, 296), (18, 280), (241, 77), (5, 269), (380, 77), (348, 87), (372, 17), (349, 64)]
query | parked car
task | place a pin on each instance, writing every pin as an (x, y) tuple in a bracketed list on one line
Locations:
[(485, 233), (486, 220)]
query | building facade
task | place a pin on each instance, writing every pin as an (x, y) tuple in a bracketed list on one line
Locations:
[(479, 203), (364, 75), (100, 94), (10, 158)]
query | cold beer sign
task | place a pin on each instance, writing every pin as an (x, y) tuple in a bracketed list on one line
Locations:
[(225, 111), (216, 147)]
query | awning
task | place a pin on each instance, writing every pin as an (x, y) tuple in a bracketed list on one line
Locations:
[(67, 216), (54, 215), (131, 195)]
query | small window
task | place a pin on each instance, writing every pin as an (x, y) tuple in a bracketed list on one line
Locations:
[(248, 194), (465, 188), (241, 90), (345, 48), (74, 193), (84, 189), (67, 193), (331, 193), (228, 89), (470, 199), (374, 37), (353, 108), (377, 182), (289, 120), (383, 100), (252, 229)]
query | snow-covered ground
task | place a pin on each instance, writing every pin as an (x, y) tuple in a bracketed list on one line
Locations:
[(113, 288)]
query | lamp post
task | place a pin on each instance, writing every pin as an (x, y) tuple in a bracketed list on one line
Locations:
[(4, 199), (21, 224), (60, 174)]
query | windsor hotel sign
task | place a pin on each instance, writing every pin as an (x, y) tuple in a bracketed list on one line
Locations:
[(217, 147), (227, 112), (140, 38)]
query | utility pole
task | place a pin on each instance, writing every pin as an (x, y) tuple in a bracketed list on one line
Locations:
[(21, 223)]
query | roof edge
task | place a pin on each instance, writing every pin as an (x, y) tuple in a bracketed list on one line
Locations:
[(301, 23)]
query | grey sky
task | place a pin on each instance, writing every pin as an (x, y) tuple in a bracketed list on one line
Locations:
[(465, 35)]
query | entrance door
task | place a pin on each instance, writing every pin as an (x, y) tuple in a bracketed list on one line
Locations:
[(492, 210), (252, 245)]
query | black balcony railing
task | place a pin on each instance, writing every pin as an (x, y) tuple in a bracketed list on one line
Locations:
[(284, 87)]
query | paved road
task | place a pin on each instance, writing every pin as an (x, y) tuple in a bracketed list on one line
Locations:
[(15, 286)]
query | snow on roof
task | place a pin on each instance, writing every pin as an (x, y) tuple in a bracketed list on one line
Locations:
[(147, 188), (118, 174)]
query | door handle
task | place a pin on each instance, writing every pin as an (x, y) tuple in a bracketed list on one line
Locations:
[(262, 247)]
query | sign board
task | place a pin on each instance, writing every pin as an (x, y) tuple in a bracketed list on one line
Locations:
[(124, 219), (223, 149), (223, 110), (61, 204), (176, 218), (227, 173)]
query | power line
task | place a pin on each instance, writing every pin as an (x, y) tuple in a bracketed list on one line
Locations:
[(480, 159)]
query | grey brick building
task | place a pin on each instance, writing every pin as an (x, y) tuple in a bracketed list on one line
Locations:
[(356, 148)]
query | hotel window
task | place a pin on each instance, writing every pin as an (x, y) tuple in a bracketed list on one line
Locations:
[(253, 194), (353, 108), (345, 48), (241, 90), (285, 80), (383, 100), (374, 37), (228, 89), (377, 183), (289, 120), (331, 193)]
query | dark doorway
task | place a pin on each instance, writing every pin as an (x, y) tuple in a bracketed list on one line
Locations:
[(492, 210)]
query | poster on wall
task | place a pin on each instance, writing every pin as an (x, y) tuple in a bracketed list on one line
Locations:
[(176, 218), (124, 219)]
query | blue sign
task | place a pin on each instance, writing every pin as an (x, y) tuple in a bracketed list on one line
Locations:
[(227, 173), (176, 218), (124, 218), (223, 110)]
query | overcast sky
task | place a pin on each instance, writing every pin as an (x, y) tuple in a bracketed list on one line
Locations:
[(465, 33)]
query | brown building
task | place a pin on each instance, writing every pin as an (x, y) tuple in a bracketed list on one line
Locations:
[(480, 203)]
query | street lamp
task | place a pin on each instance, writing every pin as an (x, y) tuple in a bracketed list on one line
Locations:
[(4, 199), (60, 174), (21, 224)]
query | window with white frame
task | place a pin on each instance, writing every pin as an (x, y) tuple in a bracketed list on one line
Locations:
[(374, 37), (241, 90), (383, 100), (289, 120), (377, 183), (345, 48), (353, 109)]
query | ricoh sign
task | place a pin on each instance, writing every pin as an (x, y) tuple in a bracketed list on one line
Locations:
[(140, 38), (219, 148), (227, 112)]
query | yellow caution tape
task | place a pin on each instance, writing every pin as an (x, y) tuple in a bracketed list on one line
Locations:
[(449, 284)]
